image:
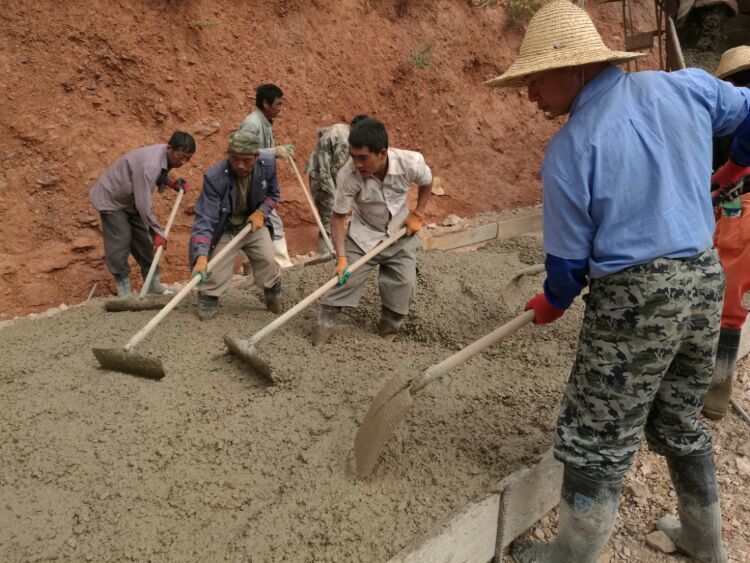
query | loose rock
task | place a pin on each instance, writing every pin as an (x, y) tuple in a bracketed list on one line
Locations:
[(660, 541)]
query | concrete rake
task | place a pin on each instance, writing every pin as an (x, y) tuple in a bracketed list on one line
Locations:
[(245, 349), (392, 403), (128, 361)]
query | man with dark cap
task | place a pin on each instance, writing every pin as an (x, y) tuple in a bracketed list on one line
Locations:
[(122, 196), (240, 189)]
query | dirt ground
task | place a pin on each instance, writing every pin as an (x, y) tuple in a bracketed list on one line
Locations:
[(85, 82)]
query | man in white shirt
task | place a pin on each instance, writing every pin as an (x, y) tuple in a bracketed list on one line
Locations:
[(373, 186)]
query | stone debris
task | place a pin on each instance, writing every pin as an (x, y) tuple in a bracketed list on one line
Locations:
[(452, 220), (206, 127), (660, 541), (743, 465), (47, 180)]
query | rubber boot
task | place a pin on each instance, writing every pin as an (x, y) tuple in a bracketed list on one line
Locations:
[(326, 322), (716, 401), (698, 531), (207, 306), (389, 323), (273, 298), (281, 253), (156, 287), (588, 508), (122, 283)]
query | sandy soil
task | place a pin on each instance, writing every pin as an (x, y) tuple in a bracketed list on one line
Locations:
[(212, 464), (85, 82)]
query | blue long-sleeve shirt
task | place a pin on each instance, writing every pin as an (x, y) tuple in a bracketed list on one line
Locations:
[(627, 179)]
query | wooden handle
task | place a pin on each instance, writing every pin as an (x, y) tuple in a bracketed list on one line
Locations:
[(280, 321), (141, 334), (157, 257), (314, 209), (438, 370)]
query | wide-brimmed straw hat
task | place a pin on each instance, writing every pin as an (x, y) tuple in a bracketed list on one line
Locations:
[(559, 35), (734, 61)]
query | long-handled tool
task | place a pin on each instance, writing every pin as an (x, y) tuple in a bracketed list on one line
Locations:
[(125, 359), (245, 349), (141, 303), (314, 210), (393, 401)]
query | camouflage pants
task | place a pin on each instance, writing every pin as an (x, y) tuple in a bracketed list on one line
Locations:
[(644, 362), (323, 202)]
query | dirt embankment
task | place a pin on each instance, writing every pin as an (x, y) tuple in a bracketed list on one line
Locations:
[(84, 82)]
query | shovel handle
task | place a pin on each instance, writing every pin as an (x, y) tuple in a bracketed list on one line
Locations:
[(439, 370), (141, 334), (314, 209), (282, 320), (157, 256)]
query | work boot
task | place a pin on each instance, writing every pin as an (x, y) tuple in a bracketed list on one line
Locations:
[(273, 298), (122, 283), (698, 530), (389, 323), (326, 323), (207, 305), (588, 508), (156, 287), (716, 401)]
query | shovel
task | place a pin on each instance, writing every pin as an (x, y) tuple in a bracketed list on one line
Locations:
[(127, 361), (245, 349), (393, 401), (311, 203), (141, 303)]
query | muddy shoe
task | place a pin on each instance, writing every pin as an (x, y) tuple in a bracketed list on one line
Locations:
[(273, 298), (122, 283), (389, 324), (207, 306), (157, 288)]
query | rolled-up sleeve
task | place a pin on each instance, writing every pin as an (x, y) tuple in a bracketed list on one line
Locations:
[(347, 189), (206, 220), (419, 172)]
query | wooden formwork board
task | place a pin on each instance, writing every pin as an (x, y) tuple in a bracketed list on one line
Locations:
[(478, 531), (485, 233)]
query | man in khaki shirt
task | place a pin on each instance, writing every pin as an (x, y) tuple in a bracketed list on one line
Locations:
[(373, 186)]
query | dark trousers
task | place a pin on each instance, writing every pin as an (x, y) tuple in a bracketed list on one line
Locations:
[(125, 233)]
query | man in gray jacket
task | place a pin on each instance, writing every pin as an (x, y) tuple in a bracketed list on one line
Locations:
[(122, 196), (240, 189)]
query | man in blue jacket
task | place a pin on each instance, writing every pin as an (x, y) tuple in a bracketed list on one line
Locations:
[(240, 189), (627, 206)]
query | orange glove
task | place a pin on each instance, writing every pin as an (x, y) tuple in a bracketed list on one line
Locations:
[(342, 271), (257, 219), (201, 269), (413, 223)]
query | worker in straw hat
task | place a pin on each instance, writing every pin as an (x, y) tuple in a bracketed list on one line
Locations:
[(732, 240), (627, 212)]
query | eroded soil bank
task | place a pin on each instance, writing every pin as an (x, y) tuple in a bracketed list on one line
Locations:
[(212, 464)]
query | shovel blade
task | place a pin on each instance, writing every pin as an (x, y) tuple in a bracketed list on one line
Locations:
[(387, 410), (148, 303), (248, 354), (118, 359)]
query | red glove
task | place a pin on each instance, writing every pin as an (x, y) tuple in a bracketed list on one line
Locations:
[(543, 312), (159, 241), (727, 176), (178, 184)]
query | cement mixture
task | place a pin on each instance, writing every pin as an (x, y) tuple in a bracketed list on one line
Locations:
[(213, 464)]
